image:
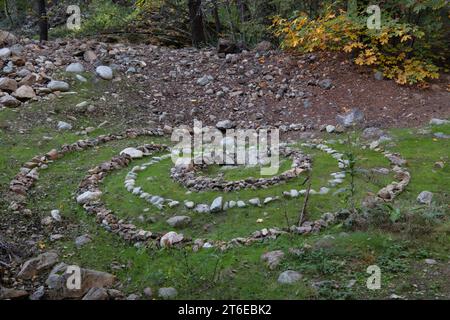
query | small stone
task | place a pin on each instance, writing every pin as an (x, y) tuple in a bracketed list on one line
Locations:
[(75, 68), (353, 117), (7, 84), (289, 277), (189, 204), (55, 85), (37, 265), (5, 53), (378, 75), (225, 125), (217, 205), (56, 215), (96, 294), (104, 72), (439, 122), (330, 128), (148, 292), (202, 208), (9, 101), (241, 204), (38, 294), (64, 125), (430, 261), (425, 197), (326, 84), (255, 202), (133, 153), (24, 93), (88, 196), (203, 81), (170, 238), (167, 293), (82, 240), (439, 165)]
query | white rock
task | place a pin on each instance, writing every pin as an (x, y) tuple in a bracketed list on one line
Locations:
[(171, 238), (289, 277), (104, 72), (439, 122), (56, 215), (425, 197), (133, 153), (189, 204), (330, 128), (75, 67), (217, 205), (88, 196), (5, 53), (241, 204), (64, 125), (55, 85), (255, 202)]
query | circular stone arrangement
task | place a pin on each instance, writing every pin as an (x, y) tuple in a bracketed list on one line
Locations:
[(89, 193)]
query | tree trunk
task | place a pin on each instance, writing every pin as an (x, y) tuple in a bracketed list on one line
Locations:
[(216, 17), (196, 17), (43, 21)]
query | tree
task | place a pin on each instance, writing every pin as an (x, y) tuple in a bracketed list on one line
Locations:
[(43, 21), (196, 19)]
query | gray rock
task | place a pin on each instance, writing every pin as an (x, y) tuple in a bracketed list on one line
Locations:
[(273, 258), (425, 197), (38, 294), (133, 153), (217, 205), (56, 215), (289, 277), (5, 53), (9, 101), (202, 208), (326, 84), (96, 294), (372, 133), (37, 265), (353, 117), (225, 124), (56, 85), (148, 292), (378, 75), (330, 128), (441, 135), (263, 46), (64, 125), (170, 238), (104, 72), (179, 221), (75, 67), (12, 294), (189, 204), (167, 293), (80, 78), (255, 202), (82, 240), (203, 81), (439, 122)]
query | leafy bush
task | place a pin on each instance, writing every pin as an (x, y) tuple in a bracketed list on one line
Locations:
[(402, 50)]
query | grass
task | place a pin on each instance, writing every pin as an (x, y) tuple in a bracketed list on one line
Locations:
[(330, 260)]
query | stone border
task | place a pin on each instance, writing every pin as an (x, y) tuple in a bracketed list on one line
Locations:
[(22, 183), (186, 175)]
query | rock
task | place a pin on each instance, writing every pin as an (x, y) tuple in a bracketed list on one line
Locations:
[(255, 202), (38, 294), (24, 93), (353, 117), (133, 297), (225, 124), (5, 53), (225, 46), (104, 72), (189, 204), (9, 101), (202, 208), (7, 38), (167, 293), (217, 205), (330, 128), (148, 292), (80, 78), (241, 204), (170, 238), (289, 277), (179, 221), (64, 125), (133, 153), (56, 215), (378, 75), (59, 278), (37, 265), (89, 56), (439, 165), (273, 258), (203, 81), (55, 85), (12, 294), (430, 261), (96, 294), (263, 46), (326, 84), (439, 122), (88, 196), (82, 240), (75, 68), (7, 84), (441, 135), (425, 197)]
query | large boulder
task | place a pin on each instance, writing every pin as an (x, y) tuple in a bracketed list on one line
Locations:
[(8, 84), (7, 38), (35, 266), (60, 276)]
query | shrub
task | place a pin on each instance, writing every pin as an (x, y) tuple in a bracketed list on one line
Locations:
[(402, 50)]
